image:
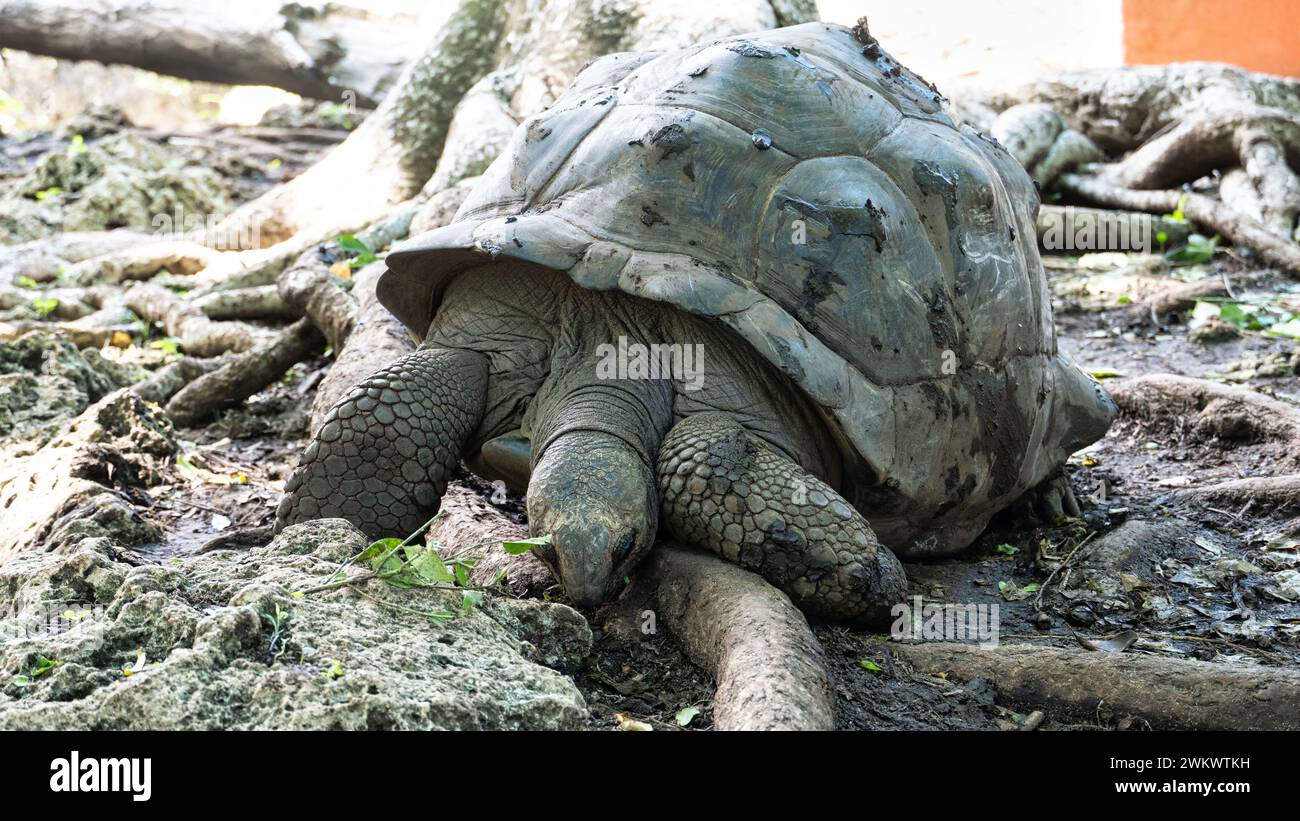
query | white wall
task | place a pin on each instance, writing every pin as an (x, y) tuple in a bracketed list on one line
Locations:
[(994, 43)]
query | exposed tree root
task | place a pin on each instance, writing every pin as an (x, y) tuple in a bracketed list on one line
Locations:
[(1266, 495), (1182, 297), (91, 331), (183, 319), (169, 379), (308, 287), (1168, 693), (393, 152), (1211, 409), (42, 259), (142, 261), (1213, 215), (1120, 109), (1180, 122), (770, 669), (261, 302), (1060, 228), (245, 374), (313, 50)]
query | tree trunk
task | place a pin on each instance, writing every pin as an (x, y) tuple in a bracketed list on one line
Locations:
[(330, 51)]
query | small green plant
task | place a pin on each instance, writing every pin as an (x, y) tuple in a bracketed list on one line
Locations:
[(279, 624), (870, 666), (362, 253), (46, 193), (335, 670), (1008, 549), (525, 545), (43, 666), (170, 346), (76, 146), (45, 307), (406, 564), (1178, 215), (25, 282), (1257, 315), (1197, 249)]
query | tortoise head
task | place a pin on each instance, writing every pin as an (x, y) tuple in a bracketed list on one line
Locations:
[(596, 499)]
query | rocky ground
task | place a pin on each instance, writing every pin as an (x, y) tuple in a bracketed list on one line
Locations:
[(117, 609)]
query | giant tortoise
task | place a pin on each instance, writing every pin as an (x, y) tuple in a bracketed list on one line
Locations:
[(766, 290)]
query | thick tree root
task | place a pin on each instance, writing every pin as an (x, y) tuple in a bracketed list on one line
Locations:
[(91, 331), (1061, 227), (1209, 213), (245, 374), (1182, 297), (308, 286), (261, 302), (770, 669), (1277, 495), (1165, 692), (142, 261), (183, 319), (1211, 409), (170, 379)]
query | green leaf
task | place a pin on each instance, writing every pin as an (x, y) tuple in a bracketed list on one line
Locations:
[(186, 468), (44, 307), (1008, 549), (1198, 248), (427, 565), (525, 545), (43, 666), (377, 549), (686, 715), (170, 346), (364, 253), (25, 282), (46, 193), (463, 568), (870, 666), (1014, 592), (469, 599)]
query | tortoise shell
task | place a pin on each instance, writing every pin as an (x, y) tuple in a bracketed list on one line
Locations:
[(803, 188)]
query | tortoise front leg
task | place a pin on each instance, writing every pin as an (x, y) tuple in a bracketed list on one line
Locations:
[(384, 453), (727, 490)]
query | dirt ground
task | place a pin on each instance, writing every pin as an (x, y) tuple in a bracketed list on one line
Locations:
[(1139, 567), (1197, 586)]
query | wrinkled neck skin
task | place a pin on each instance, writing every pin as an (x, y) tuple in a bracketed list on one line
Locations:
[(594, 381)]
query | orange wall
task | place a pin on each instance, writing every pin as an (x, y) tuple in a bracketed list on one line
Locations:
[(1261, 35)]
